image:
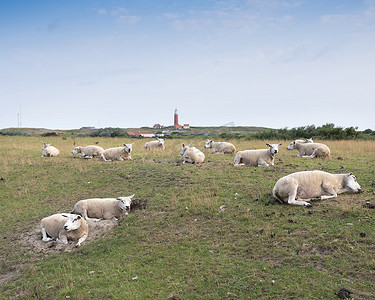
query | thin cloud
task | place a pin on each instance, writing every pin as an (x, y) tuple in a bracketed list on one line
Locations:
[(128, 19), (100, 11)]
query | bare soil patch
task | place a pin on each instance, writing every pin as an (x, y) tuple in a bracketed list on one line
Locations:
[(32, 240)]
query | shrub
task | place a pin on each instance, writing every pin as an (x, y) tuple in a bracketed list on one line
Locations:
[(15, 132), (106, 132)]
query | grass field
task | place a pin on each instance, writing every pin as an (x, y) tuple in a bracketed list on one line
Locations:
[(208, 231)]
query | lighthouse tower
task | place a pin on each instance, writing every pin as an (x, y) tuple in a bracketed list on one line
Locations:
[(176, 125)]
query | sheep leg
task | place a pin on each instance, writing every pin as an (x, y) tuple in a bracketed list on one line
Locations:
[(313, 155), (262, 163), (45, 237), (237, 161), (93, 219), (62, 238), (292, 200), (81, 240), (332, 193), (85, 216)]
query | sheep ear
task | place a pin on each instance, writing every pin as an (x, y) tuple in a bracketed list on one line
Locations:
[(78, 217), (268, 145), (189, 145), (280, 144), (350, 173), (131, 196)]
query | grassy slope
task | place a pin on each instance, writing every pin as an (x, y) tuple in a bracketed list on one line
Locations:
[(183, 242)]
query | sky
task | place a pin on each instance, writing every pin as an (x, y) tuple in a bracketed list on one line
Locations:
[(131, 63)]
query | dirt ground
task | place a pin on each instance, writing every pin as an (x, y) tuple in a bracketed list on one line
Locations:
[(32, 240)]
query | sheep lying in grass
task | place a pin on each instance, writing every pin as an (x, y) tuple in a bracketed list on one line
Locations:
[(310, 150), (117, 153), (191, 155), (49, 151), (64, 227), (258, 158), (155, 145), (299, 187), (88, 151), (103, 208), (220, 147)]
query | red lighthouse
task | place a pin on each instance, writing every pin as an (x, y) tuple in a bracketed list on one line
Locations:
[(176, 125)]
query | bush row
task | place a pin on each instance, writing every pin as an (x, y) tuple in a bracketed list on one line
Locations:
[(326, 132)]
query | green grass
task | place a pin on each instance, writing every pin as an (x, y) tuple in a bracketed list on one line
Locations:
[(183, 242)]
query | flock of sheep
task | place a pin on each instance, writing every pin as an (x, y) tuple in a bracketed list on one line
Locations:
[(296, 188)]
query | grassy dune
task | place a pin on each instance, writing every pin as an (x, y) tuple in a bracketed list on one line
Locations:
[(209, 231)]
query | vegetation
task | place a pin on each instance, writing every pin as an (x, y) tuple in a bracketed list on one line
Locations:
[(15, 133), (326, 132), (105, 132), (209, 231)]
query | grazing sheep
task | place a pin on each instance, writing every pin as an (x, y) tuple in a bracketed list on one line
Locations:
[(299, 187), (191, 155), (258, 158), (103, 208), (48, 150), (220, 147), (117, 153), (64, 227), (153, 145), (88, 151), (310, 150)]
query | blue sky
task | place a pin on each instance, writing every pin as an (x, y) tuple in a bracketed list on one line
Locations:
[(277, 63)]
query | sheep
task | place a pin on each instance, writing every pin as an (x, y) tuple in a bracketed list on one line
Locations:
[(191, 155), (153, 145), (220, 147), (117, 153), (258, 158), (103, 208), (304, 141), (88, 151), (49, 151), (64, 227), (310, 150), (308, 185)]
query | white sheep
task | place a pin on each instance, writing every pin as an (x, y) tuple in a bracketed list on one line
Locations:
[(299, 187), (117, 153), (310, 150), (103, 208), (88, 151), (258, 158), (304, 141), (220, 147), (154, 145), (191, 155), (48, 150), (64, 227)]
